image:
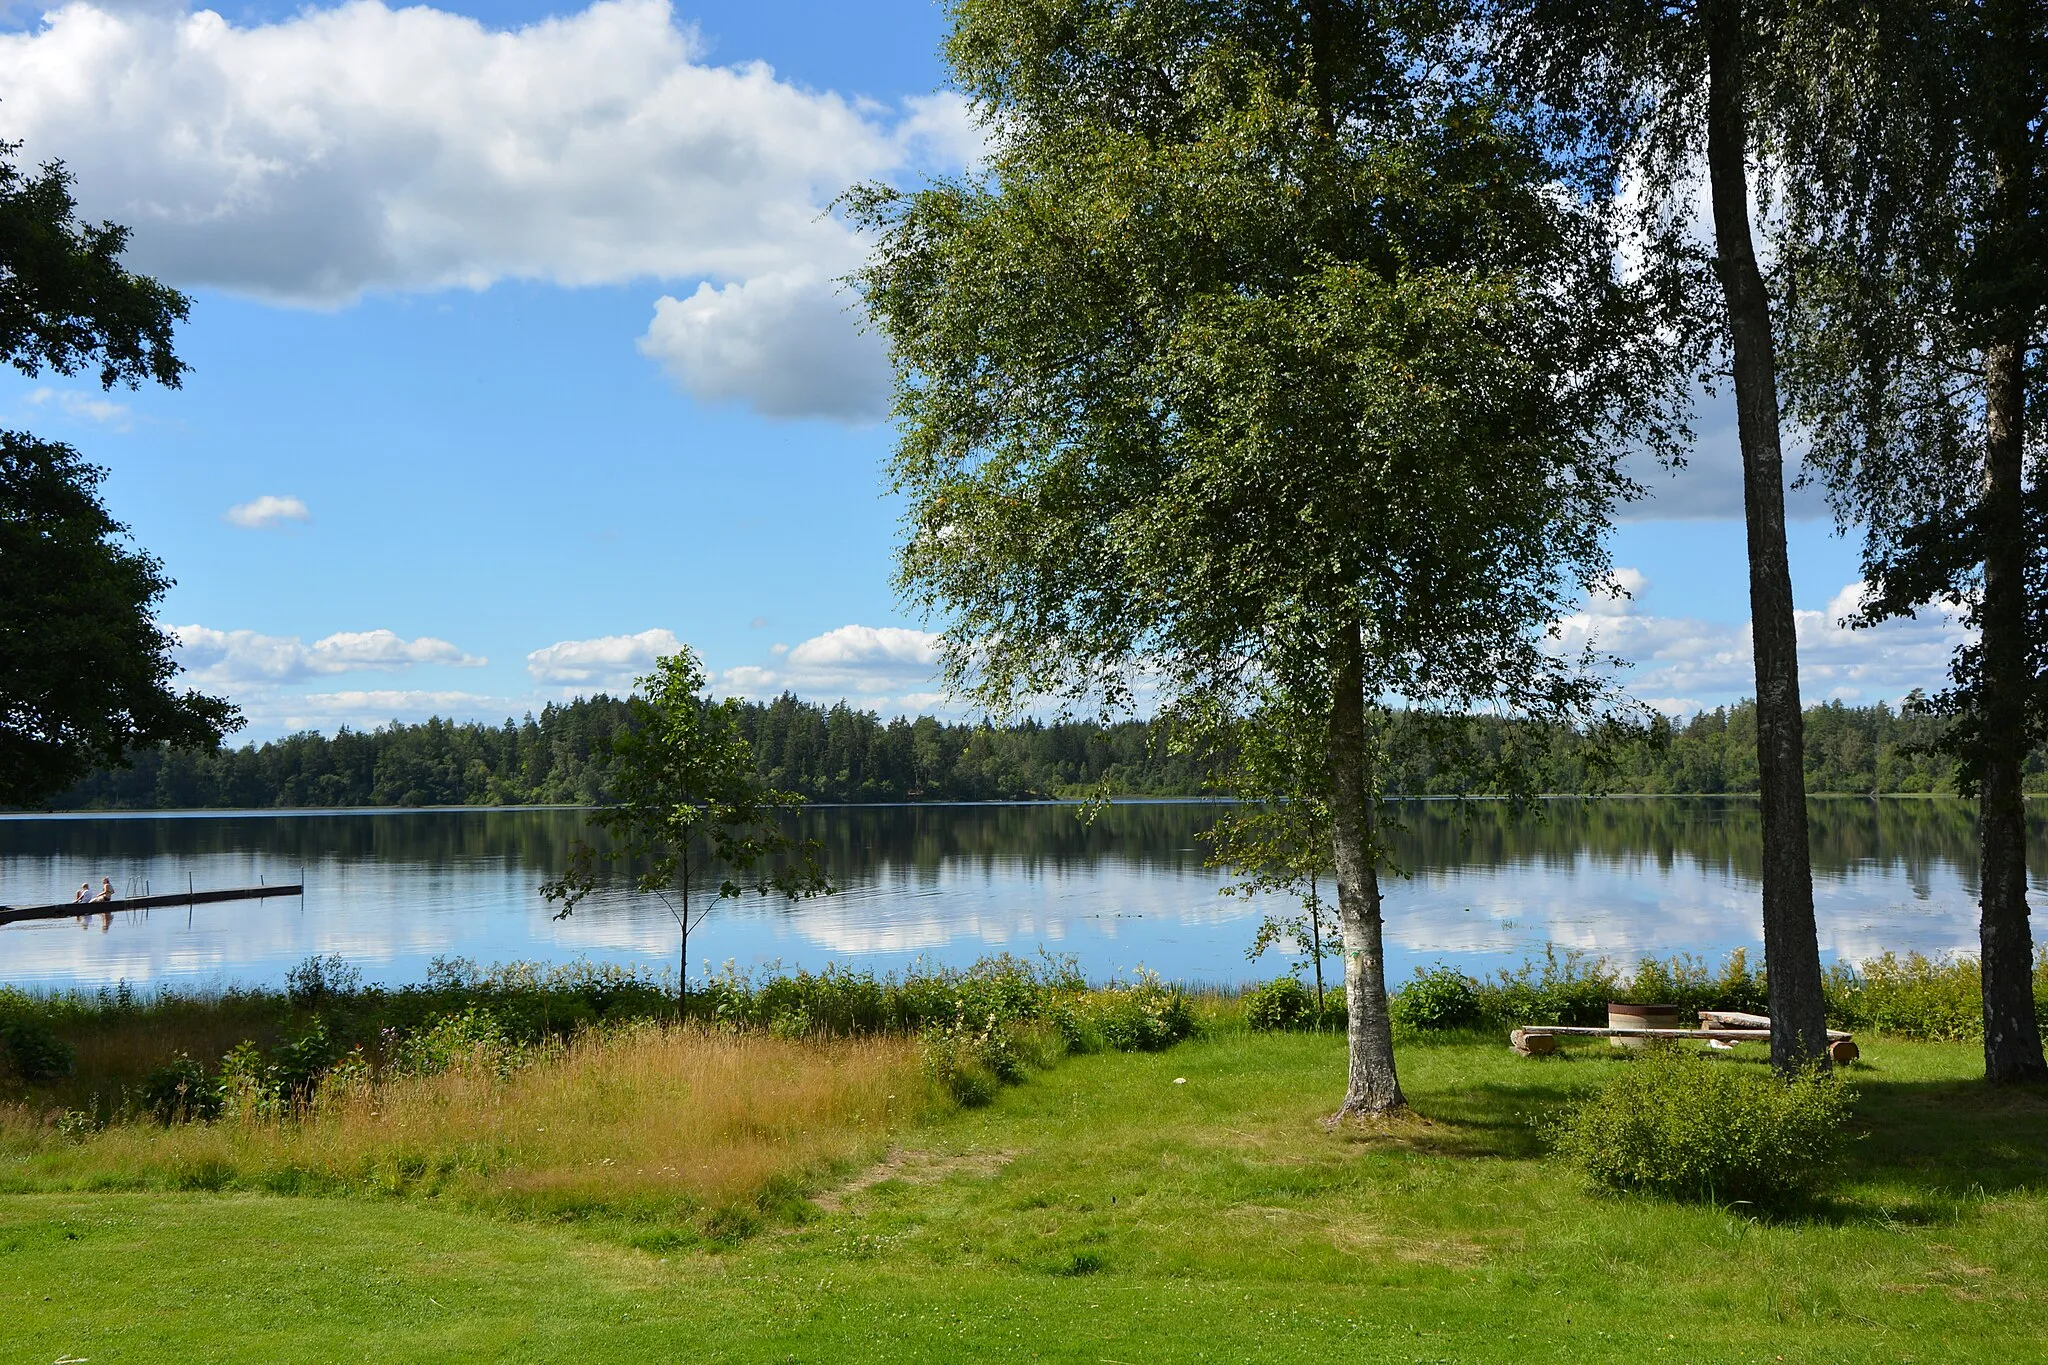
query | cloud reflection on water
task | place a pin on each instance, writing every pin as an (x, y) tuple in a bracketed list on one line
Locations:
[(393, 890)]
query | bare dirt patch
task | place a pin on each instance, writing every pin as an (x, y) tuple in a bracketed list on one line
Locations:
[(914, 1166)]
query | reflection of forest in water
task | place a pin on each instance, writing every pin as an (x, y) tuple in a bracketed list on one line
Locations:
[(1909, 837), (392, 890)]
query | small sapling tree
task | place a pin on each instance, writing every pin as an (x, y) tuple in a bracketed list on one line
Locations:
[(1278, 837), (685, 801)]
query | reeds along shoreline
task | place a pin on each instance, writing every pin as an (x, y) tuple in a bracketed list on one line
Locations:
[(95, 1059)]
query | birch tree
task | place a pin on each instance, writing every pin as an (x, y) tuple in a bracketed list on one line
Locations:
[(1914, 250), (1267, 356)]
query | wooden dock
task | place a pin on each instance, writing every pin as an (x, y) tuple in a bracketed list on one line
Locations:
[(76, 909)]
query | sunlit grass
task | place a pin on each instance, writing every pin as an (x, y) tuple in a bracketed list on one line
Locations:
[(1181, 1205), (641, 1121)]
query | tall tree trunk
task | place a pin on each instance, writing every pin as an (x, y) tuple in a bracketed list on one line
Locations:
[(1791, 949), (2012, 1033), (1373, 1088)]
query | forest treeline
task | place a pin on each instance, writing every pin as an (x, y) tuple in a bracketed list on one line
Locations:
[(841, 754)]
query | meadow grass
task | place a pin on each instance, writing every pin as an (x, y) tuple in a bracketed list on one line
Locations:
[(641, 1122), (1179, 1205)]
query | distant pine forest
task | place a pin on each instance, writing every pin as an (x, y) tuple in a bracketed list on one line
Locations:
[(841, 754)]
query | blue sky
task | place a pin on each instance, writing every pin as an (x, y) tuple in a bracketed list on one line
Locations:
[(516, 358)]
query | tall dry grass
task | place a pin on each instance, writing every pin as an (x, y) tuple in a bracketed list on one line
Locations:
[(642, 1121)]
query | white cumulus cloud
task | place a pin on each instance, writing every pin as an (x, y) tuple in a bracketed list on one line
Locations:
[(868, 647), (786, 344), (361, 147), (607, 661), (220, 657), (1680, 664), (364, 147), (329, 711), (268, 510), (865, 663)]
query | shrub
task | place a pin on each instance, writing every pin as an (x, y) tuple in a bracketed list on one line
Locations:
[(319, 980), (32, 1048), (1685, 1126), (1142, 1016), (1282, 1003), (472, 1038), (1435, 1000), (1914, 997), (246, 1090), (252, 1085), (970, 1061), (297, 1064), (1686, 982), (1574, 989), (179, 1092)]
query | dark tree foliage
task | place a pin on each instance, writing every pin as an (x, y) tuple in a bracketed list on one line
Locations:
[(837, 754), (85, 672), (85, 675), (66, 301), (1913, 243)]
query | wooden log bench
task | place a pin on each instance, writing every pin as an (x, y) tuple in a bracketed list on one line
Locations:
[(1540, 1040)]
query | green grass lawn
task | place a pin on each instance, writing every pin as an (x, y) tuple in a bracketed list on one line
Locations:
[(1102, 1212)]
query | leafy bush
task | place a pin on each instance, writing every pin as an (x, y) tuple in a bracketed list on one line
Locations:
[(297, 1064), (975, 1052), (319, 980), (1685, 1126), (1142, 1016), (246, 1089), (180, 1092), (971, 1060), (1282, 1003), (254, 1085), (1915, 997), (472, 1038), (1686, 982), (1436, 999), (32, 1049), (1573, 989)]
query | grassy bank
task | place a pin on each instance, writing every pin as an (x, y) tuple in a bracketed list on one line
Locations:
[(657, 1128), (1183, 1205)]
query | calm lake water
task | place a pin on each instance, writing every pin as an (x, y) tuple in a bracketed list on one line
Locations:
[(392, 890)]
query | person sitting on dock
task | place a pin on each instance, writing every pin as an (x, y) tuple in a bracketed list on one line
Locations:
[(106, 890), (84, 893)]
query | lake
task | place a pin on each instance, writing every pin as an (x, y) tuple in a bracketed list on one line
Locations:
[(392, 890)]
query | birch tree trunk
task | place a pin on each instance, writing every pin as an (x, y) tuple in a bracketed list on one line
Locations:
[(1372, 1087), (2012, 1033), (1791, 948)]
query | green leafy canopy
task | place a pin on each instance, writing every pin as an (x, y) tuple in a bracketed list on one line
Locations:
[(1227, 347)]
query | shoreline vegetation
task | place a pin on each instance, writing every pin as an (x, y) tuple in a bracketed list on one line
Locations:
[(839, 755), (970, 1160), (331, 1085)]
